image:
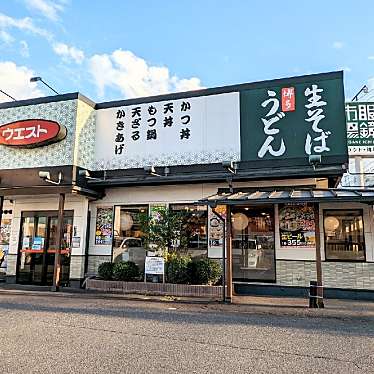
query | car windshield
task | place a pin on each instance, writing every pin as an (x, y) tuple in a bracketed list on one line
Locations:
[(132, 243)]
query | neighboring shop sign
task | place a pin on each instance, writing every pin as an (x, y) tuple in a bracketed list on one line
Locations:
[(104, 226), (4, 242), (185, 131), (294, 119), (30, 133), (296, 225), (360, 128), (154, 265), (216, 231)]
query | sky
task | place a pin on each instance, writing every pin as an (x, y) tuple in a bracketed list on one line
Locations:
[(118, 49)]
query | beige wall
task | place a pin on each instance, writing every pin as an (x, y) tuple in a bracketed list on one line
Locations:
[(294, 266)]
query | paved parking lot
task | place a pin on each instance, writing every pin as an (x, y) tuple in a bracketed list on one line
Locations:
[(49, 333)]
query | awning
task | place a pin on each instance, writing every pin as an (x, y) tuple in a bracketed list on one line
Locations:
[(293, 195)]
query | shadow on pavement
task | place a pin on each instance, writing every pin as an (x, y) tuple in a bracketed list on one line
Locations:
[(362, 325)]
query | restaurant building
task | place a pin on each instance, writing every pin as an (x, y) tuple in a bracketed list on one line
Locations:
[(270, 155)]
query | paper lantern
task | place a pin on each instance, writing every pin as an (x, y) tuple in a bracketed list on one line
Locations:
[(239, 221), (126, 221), (331, 223)]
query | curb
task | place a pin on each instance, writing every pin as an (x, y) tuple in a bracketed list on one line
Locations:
[(112, 296)]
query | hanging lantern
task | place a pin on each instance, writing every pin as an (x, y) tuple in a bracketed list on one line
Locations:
[(126, 221), (239, 221), (331, 223)]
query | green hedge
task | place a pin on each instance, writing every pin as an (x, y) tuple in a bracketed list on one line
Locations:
[(183, 270), (176, 269), (105, 270), (204, 271), (126, 271)]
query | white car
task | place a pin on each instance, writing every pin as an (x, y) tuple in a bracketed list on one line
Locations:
[(131, 249)]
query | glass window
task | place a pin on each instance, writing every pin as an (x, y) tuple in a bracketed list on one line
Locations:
[(253, 244), (344, 235), (194, 229), (127, 243)]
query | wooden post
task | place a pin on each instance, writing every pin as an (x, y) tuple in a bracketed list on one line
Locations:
[(60, 234), (1, 208), (1, 218), (319, 301), (228, 254)]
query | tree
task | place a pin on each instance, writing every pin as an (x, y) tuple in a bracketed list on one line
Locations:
[(162, 229)]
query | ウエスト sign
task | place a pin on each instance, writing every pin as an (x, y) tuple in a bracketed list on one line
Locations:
[(31, 133)]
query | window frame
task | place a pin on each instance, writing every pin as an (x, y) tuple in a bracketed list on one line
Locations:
[(363, 235)]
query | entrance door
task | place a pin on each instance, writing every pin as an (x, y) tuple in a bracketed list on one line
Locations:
[(253, 249), (38, 245)]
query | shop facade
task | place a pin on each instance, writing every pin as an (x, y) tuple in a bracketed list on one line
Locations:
[(117, 160)]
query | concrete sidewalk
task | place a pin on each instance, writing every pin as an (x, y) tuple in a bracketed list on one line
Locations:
[(290, 306)]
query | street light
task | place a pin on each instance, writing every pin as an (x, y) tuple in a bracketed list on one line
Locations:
[(36, 79), (3, 92), (364, 89)]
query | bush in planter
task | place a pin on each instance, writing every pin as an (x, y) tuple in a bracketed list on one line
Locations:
[(126, 271), (105, 270), (176, 269), (204, 271)]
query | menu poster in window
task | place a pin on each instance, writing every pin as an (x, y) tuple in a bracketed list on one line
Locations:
[(154, 210), (5, 227), (296, 225), (104, 226), (216, 231), (4, 249), (38, 243)]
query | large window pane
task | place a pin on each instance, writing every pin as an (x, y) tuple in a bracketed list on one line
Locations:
[(128, 243), (194, 229), (253, 244), (344, 235)]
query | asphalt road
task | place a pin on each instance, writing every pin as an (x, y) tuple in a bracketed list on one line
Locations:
[(60, 334)]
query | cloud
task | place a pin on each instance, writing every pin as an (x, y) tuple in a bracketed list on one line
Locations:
[(48, 9), (371, 57), (68, 53), (15, 80), (24, 50), (347, 69), (5, 37), (134, 77), (338, 45), (25, 24)]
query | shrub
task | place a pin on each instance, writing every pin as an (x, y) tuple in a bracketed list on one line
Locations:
[(105, 270), (126, 271), (204, 271), (177, 269)]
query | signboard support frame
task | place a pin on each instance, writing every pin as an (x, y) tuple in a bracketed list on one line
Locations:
[(223, 254), (145, 270), (229, 255), (319, 292)]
